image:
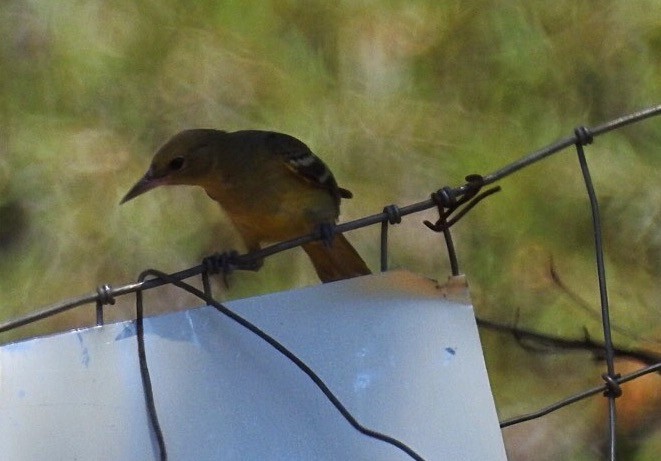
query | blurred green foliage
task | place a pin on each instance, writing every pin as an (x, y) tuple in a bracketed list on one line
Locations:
[(400, 98)]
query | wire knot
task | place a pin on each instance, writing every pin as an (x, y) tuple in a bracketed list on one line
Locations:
[(445, 197), (583, 136), (613, 388), (394, 214), (448, 198), (105, 295), (475, 182)]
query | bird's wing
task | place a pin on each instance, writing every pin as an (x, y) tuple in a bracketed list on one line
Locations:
[(300, 160)]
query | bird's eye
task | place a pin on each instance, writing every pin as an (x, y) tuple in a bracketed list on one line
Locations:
[(176, 163)]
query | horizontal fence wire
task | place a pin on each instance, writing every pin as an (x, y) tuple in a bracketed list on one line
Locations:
[(107, 292), (448, 200)]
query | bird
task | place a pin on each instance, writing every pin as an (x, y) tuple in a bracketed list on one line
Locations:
[(271, 186)]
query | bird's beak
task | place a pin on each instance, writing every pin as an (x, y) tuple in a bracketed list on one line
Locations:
[(146, 183)]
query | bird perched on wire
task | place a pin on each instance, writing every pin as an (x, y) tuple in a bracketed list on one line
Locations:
[(271, 185)]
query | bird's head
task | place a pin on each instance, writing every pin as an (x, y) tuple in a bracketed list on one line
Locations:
[(184, 159)]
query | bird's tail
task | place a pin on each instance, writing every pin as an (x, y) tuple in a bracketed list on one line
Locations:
[(336, 261)]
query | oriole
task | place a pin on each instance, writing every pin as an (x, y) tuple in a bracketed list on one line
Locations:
[(271, 185)]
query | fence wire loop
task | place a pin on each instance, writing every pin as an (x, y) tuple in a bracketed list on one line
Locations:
[(613, 388), (444, 200), (105, 295), (583, 136), (394, 214), (474, 184), (447, 202)]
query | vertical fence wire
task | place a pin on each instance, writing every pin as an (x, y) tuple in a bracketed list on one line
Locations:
[(584, 137)]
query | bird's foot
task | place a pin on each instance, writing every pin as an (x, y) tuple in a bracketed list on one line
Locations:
[(221, 262), (229, 261), (248, 263)]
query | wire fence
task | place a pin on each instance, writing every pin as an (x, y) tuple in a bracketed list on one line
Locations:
[(452, 203)]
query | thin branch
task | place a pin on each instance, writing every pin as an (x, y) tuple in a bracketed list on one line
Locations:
[(557, 343)]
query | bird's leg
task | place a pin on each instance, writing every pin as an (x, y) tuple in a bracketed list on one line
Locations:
[(326, 232)]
